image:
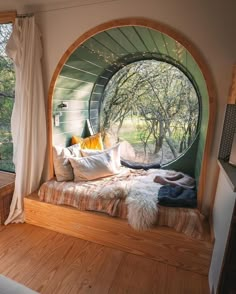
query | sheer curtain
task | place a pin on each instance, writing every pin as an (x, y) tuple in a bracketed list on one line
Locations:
[(28, 122)]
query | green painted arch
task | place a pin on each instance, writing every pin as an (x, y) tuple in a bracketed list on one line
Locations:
[(87, 70)]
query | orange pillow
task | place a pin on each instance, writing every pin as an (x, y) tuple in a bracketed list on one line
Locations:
[(92, 142)]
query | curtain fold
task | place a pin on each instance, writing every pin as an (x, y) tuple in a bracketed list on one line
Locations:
[(28, 122)]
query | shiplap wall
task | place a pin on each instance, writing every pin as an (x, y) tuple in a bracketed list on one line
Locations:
[(88, 69)]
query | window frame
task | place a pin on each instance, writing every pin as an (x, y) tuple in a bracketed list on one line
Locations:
[(187, 74), (7, 17)]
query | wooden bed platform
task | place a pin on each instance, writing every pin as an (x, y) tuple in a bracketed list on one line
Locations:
[(161, 243)]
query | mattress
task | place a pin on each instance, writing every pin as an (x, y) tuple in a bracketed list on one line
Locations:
[(131, 195)]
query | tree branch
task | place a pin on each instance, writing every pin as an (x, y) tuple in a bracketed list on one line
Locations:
[(6, 95)]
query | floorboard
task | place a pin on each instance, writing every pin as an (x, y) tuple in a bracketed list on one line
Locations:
[(50, 262), (160, 243)]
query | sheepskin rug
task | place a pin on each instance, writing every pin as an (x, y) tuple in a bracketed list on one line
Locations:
[(142, 202)]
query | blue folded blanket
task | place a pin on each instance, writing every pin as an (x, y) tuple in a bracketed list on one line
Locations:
[(177, 196)]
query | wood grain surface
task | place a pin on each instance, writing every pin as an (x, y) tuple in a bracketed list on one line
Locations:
[(232, 91), (6, 179), (7, 184), (161, 243), (7, 16), (53, 263)]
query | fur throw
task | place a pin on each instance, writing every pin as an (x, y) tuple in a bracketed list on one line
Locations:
[(142, 203)]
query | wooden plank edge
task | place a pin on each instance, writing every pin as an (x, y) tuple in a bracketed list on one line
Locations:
[(7, 17), (214, 185), (162, 245), (232, 91)]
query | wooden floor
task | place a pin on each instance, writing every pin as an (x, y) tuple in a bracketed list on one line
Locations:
[(159, 243), (50, 262)]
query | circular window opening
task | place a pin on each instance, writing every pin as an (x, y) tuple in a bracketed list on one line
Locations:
[(153, 109)]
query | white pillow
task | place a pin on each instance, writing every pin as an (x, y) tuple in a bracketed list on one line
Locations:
[(75, 150), (94, 166), (115, 153), (62, 167)]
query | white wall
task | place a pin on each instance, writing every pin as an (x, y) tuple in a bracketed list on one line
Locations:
[(222, 215), (209, 24)]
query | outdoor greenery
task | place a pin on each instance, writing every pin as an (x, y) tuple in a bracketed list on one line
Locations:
[(154, 106), (7, 84)]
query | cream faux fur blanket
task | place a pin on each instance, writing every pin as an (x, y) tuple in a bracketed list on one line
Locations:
[(142, 200)]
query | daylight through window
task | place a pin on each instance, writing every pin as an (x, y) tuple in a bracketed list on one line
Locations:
[(153, 108), (7, 85)]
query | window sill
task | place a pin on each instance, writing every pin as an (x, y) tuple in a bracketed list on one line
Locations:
[(6, 179)]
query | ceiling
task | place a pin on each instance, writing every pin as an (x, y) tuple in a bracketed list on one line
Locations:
[(26, 6)]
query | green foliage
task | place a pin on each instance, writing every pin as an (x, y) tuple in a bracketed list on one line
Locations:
[(160, 104), (7, 85)]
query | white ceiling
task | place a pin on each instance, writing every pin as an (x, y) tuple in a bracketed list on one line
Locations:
[(22, 6)]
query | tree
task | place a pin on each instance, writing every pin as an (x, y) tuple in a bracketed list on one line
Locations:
[(161, 102), (7, 84)]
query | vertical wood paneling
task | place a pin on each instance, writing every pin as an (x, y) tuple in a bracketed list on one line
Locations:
[(108, 42), (158, 39), (232, 93), (121, 38), (170, 47), (146, 36)]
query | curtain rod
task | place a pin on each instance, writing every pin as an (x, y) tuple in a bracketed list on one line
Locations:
[(24, 15)]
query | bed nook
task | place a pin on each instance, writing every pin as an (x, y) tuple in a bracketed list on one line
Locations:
[(130, 118)]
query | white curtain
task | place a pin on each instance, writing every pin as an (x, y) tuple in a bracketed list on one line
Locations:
[(28, 122)]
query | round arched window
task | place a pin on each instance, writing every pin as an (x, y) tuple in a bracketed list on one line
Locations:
[(153, 108)]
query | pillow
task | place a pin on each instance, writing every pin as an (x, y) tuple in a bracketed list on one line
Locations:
[(75, 150), (115, 154), (62, 166), (92, 142), (94, 166)]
